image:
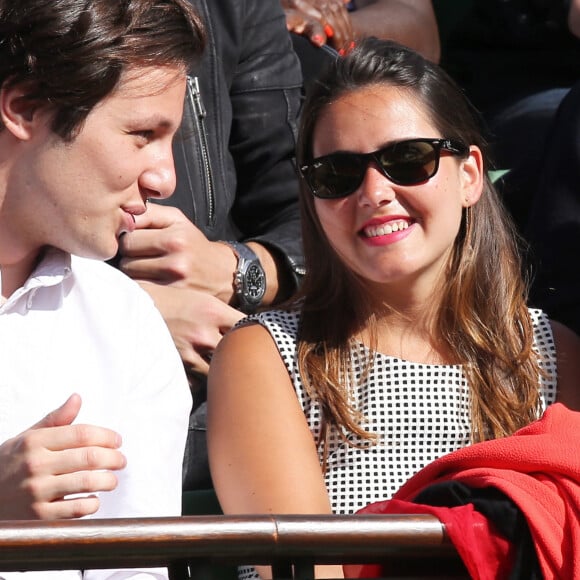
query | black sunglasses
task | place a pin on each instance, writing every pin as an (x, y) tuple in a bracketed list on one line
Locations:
[(404, 163)]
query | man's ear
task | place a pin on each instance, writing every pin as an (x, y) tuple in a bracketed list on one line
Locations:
[(19, 114), (472, 176)]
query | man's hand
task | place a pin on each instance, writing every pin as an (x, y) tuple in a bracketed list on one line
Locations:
[(54, 459), (166, 248), (196, 320)]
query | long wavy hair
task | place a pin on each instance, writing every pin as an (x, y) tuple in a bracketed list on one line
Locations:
[(482, 317)]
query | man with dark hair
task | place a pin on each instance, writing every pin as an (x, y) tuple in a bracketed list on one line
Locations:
[(91, 95)]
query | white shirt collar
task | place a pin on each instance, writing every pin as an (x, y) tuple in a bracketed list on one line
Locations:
[(53, 269)]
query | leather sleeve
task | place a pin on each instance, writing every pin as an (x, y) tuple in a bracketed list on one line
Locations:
[(266, 97), (234, 154)]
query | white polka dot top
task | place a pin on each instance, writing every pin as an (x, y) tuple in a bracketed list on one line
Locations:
[(419, 411)]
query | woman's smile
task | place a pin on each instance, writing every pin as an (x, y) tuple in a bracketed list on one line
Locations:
[(400, 230)]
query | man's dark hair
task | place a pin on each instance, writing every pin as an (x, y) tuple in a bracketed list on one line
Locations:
[(70, 54)]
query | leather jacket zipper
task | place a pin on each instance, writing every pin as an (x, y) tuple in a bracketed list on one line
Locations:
[(199, 113)]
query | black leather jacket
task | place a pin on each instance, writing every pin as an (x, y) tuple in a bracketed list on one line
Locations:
[(234, 155)]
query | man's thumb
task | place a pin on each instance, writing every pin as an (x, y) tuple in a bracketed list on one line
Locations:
[(63, 415)]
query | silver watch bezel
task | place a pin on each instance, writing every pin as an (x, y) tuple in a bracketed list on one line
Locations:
[(248, 271)]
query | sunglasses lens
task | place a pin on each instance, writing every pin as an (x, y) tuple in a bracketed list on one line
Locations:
[(335, 176), (409, 162), (404, 163)]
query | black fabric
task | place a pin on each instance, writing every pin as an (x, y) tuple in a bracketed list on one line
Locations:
[(516, 61), (553, 228), (234, 154), (196, 473), (251, 89), (498, 508), (313, 59), (502, 50)]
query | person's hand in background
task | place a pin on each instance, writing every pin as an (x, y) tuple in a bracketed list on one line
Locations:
[(412, 23), (321, 21)]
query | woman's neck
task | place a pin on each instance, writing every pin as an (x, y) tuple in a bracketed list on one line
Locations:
[(408, 329)]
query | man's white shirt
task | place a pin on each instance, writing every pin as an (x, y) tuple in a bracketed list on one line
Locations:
[(80, 326)]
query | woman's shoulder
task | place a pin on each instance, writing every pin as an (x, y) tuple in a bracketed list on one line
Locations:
[(556, 339), (543, 329), (278, 326), (538, 316), (249, 356), (278, 321)]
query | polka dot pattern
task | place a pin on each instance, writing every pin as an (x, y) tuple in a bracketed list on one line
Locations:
[(419, 412)]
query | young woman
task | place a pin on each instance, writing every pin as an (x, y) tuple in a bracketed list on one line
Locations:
[(411, 336)]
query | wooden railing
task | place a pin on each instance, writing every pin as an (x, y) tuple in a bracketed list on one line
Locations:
[(411, 546)]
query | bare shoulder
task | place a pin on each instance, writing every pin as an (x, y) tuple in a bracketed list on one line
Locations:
[(262, 454), (248, 383), (568, 356), (246, 348)]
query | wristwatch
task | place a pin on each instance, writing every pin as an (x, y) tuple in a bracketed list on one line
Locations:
[(249, 278)]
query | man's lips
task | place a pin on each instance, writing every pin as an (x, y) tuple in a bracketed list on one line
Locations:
[(128, 224)]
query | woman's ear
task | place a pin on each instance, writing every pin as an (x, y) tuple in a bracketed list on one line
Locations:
[(19, 114), (471, 175)]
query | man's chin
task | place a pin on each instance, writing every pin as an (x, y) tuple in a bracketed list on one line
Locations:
[(103, 254)]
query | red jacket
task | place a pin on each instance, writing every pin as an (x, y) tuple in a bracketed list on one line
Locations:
[(538, 468)]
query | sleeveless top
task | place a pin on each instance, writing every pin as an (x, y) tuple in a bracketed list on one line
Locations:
[(419, 412)]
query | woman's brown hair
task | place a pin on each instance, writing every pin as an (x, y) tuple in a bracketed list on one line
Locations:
[(482, 317)]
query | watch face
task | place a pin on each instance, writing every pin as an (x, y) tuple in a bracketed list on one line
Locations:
[(255, 283)]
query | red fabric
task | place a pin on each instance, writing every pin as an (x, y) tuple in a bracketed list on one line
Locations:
[(486, 554), (538, 468)]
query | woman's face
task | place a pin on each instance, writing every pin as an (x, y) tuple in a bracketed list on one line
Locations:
[(391, 234)]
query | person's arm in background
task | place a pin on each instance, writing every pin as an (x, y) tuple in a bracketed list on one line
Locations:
[(574, 17), (568, 357), (409, 22), (182, 266), (266, 96)]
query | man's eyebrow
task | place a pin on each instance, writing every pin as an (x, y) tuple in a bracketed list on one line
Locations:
[(154, 120)]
